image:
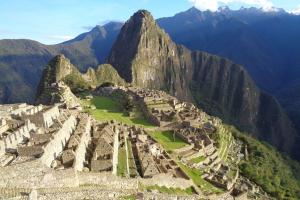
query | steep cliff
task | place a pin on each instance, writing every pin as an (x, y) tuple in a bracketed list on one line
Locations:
[(103, 74), (58, 70), (61, 78), (145, 56)]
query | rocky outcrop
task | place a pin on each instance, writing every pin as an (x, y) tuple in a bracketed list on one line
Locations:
[(52, 88), (61, 79), (145, 56), (22, 61), (103, 74)]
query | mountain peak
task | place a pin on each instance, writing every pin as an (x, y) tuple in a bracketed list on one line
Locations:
[(139, 34), (139, 18), (59, 58), (193, 10), (142, 14), (59, 67)]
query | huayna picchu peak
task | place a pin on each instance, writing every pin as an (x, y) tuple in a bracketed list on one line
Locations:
[(124, 112), (145, 56)]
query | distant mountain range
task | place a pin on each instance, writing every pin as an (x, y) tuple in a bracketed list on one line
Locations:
[(265, 43), (22, 61), (145, 56)]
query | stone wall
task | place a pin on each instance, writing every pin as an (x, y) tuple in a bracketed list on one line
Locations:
[(57, 144), (50, 115), (82, 147), (21, 109), (166, 180), (116, 152), (183, 149), (3, 126), (45, 118), (147, 113), (34, 110), (15, 138), (107, 180), (2, 148)]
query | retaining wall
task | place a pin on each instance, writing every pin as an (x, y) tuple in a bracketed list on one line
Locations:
[(57, 144), (166, 180), (116, 152), (81, 149), (2, 148), (107, 180), (50, 115), (15, 138)]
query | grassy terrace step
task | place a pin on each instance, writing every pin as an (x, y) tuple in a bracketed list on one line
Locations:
[(132, 166), (166, 139), (198, 159), (128, 197), (122, 166), (224, 139), (195, 175), (108, 109), (163, 189)]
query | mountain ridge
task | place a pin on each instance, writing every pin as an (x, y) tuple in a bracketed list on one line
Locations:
[(25, 59), (145, 56), (31, 64), (265, 43)]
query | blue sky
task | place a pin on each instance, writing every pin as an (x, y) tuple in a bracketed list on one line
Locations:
[(54, 21)]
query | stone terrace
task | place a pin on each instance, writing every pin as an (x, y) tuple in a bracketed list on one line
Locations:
[(54, 152)]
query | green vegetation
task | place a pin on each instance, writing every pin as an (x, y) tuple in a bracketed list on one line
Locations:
[(198, 159), (107, 74), (128, 197), (131, 162), (108, 108), (224, 140), (195, 175), (274, 172), (166, 139), (76, 82), (121, 170), (164, 189)]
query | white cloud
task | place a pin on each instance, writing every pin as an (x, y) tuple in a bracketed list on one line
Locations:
[(60, 37), (296, 11), (213, 5)]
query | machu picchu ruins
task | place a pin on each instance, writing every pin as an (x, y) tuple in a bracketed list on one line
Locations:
[(202, 105), (58, 148)]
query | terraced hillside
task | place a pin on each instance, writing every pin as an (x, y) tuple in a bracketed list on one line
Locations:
[(238, 151)]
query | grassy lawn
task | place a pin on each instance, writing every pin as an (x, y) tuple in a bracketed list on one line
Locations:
[(109, 109), (121, 171), (177, 191), (132, 167), (128, 197), (167, 141), (225, 139), (195, 175), (198, 159)]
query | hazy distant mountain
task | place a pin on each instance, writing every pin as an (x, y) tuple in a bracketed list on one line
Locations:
[(266, 43), (22, 61), (145, 56)]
